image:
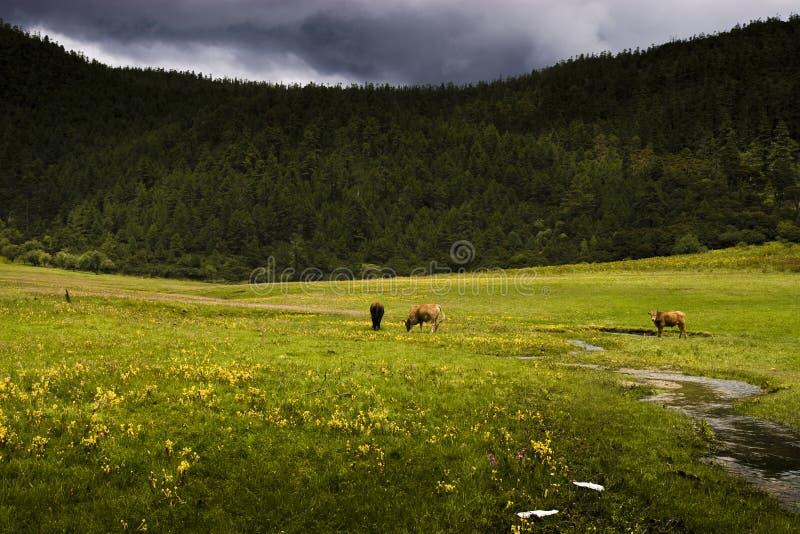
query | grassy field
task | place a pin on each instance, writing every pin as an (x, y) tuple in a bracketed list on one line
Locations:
[(164, 405)]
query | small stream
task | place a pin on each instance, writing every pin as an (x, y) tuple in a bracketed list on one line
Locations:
[(765, 453)]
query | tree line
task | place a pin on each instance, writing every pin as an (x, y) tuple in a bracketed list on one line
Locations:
[(680, 147)]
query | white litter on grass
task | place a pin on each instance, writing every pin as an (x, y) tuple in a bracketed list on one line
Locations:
[(590, 485), (537, 513)]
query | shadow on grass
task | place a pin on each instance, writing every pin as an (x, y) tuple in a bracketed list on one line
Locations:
[(641, 331)]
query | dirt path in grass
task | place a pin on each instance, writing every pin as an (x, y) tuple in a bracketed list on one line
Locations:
[(187, 299)]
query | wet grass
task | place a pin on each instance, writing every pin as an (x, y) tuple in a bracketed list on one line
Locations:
[(123, 414)]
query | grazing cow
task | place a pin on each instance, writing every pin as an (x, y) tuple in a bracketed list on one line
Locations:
[(376, 312), (673, 318), (425, 313)]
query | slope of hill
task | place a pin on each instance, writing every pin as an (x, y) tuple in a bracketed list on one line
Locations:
[(683, 146)]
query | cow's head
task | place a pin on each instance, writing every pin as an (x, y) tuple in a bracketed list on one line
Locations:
[(652, 315), (407, 322)]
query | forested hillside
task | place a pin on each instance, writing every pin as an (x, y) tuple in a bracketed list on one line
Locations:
[(682, 146)]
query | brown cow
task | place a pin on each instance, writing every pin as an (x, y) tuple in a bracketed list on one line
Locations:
[(672, 318), (376, 312), (425, 313)]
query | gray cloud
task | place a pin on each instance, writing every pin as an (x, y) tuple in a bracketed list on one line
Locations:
[(393, 41)]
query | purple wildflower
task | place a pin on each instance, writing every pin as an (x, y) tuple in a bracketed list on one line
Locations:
[(521, 454), (492, 461)]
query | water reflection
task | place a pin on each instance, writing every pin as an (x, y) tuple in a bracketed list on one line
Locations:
[(766, 453)]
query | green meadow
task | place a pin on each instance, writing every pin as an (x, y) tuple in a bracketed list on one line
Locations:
[(171, 406)]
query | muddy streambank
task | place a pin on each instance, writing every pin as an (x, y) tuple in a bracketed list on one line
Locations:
[(645, 332), (766, 454)]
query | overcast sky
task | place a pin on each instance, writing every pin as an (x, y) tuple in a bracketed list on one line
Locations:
[(354, 41)]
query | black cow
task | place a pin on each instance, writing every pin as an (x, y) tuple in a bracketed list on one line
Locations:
[(376, 312)]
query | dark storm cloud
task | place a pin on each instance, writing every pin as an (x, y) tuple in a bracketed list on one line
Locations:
[(394, 41), (402, 48)]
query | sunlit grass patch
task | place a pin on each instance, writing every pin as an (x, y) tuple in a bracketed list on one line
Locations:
[(126, 414)]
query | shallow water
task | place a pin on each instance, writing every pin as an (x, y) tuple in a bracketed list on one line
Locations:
[(585, 346), (765, 453)]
